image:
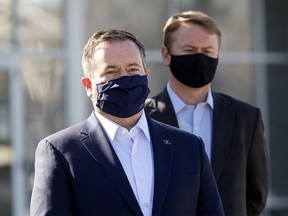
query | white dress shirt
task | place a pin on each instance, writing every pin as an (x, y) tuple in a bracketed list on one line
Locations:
[(195, 119), (135, 153)]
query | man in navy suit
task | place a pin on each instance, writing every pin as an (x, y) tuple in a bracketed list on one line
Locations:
[(232, 131), (120, 161)]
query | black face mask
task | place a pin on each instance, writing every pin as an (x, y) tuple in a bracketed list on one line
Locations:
[(123, 97), (196, 70)]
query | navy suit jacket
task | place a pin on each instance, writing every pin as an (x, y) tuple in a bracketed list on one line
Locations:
[(77, 172), (239, 151)]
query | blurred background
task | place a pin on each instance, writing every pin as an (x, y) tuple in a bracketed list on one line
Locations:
[(41, 44)]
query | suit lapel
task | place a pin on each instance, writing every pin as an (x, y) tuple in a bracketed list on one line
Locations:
[(102, 151), (223, 121), (163, 152), (164, 111)]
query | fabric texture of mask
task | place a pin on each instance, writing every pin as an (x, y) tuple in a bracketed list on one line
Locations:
[(196, 70), (123, 97)]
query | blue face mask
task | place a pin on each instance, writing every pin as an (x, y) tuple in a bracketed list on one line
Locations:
[(123, 97)]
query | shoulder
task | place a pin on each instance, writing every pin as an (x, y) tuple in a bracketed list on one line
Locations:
[(221, 99), (242, 111), (157, 100), (63, 138), (75, 132), (70, 137), (66, 133)]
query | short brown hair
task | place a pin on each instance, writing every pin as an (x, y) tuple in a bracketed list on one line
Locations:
[(109, 35), (194, 17)]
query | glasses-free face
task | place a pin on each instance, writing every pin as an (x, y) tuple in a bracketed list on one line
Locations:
[(112, 60), (192, 39)]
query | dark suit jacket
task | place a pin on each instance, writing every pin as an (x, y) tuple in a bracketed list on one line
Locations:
[(239, 151), (77, 172)]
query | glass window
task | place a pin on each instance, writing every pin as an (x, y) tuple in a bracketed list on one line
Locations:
[(6, 24), (43, 84), (41, 24), (5, 147)]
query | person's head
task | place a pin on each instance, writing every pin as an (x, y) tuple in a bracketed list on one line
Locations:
[(112, 58), (193, 19), (191, 44), (107, 37)]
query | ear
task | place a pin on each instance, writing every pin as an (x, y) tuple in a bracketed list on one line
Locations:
[(87, 84), (147, 72), (165, 55)]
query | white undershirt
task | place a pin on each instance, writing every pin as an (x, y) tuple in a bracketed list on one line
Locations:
[(195, 119), (135, 153)]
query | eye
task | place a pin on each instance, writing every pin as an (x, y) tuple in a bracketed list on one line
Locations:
[(188, 48), (209, 51), (109, 72), (189, 51), (133, 69)]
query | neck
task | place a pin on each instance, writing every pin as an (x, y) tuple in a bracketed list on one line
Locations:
[(127, 123), (190, 96)]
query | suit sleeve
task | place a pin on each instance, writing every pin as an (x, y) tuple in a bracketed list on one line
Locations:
[(51, 194), (209, 198), (257, 170)]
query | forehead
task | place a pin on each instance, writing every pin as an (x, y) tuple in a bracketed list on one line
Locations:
[(125, 49), (193, 34)]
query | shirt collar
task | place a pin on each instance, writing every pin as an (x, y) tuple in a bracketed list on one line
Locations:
[(209, 99), (179, 104), (111, 127)]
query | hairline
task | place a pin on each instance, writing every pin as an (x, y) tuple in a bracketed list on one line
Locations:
[(188, 18), (107, 36)]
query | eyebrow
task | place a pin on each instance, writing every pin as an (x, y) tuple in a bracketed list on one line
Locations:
[(110, 67), (134, 64), (195, 47), (129, 65)]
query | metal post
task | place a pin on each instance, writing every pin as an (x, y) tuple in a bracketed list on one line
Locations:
[(19, 202), (17, 107), (75, 98), (261, 68)]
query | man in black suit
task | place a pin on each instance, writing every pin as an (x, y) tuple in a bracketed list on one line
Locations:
[(232, 131), (119, 161)]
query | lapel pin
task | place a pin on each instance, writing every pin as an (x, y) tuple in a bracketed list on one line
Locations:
[(167, 142)]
